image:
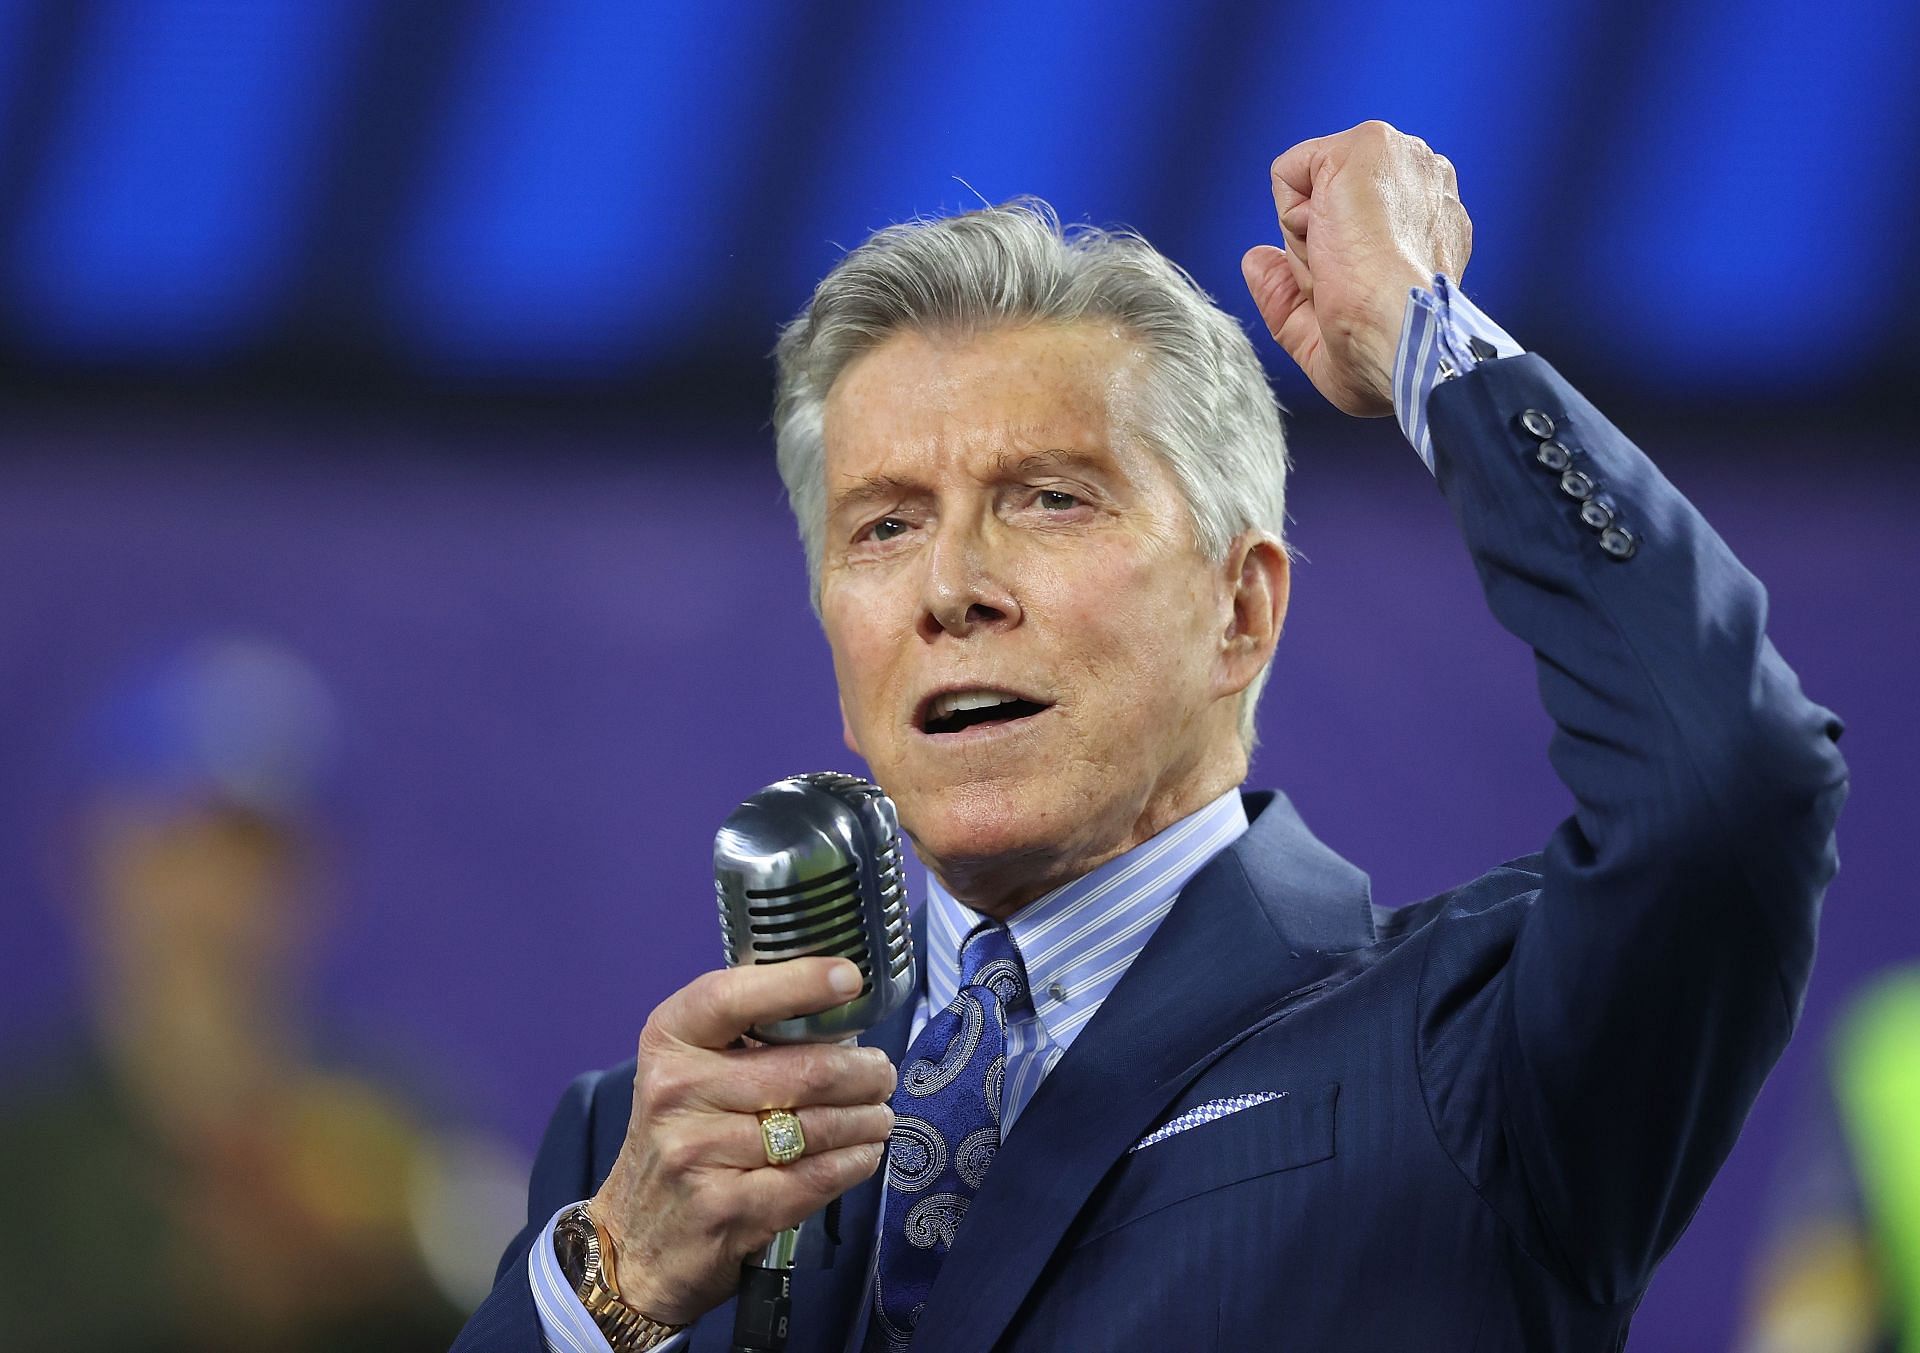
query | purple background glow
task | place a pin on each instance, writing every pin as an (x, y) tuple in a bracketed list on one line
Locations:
[(562, 657)]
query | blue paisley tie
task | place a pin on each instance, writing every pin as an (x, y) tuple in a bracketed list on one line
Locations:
[(946, 1129)]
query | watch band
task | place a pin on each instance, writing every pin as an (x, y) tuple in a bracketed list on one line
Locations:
[(586, 1257)]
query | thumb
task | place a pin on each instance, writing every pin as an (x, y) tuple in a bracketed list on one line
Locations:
[(1275, 290)]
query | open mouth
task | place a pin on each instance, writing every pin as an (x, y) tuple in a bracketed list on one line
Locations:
[(957, 711)]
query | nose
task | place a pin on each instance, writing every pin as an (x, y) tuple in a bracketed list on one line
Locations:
[(964, 589)]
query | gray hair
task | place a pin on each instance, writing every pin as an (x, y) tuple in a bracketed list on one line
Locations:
[(1208, 409)]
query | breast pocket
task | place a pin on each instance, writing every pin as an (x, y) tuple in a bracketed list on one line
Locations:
[(1170, 1166)]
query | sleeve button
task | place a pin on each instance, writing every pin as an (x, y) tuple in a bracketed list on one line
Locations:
[(1576, 484), (1618, 542), (1596, 514), (1536, 424), (1554, 456)]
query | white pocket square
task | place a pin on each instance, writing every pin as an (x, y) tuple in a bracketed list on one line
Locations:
[(1211, 1111)]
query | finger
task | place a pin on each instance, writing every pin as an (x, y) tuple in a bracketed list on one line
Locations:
[(752, 1079), (1275, 288), (739, 1142), (1294, 169), (779, 1196), (717, 1007), (1293, 237), (1291, 210)]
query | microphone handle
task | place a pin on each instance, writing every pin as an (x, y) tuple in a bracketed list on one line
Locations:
[(765, 1303), (765, 1300)]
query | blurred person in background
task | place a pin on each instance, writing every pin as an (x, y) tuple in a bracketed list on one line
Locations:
[(195, 1172), (1841, 1271)]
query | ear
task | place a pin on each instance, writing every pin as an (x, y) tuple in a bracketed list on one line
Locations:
[(846, 731), (1259, 581)]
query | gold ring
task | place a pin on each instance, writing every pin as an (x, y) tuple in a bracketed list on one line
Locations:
[(780, 1134)]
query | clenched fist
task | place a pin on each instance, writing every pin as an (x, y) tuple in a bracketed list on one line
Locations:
[(1365, 215), (691, 1193)]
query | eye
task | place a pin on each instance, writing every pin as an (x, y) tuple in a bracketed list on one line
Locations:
[(1054, 500), (886, 528)]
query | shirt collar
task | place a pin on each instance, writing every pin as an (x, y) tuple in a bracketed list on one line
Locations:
[(1078, 940)]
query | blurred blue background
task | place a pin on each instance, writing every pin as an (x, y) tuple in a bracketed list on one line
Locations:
[(427, 343)]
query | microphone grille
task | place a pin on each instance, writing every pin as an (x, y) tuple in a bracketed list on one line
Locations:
[(813, 865), (883, 834)]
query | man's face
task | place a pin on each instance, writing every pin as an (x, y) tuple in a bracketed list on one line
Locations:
[(997, 536)]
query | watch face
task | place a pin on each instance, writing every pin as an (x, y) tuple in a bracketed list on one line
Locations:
[(576, 1247)]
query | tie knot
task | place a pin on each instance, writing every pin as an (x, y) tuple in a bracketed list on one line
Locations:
[(989, 959)]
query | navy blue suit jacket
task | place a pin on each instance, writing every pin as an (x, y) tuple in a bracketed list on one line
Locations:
[(1501, 1105)]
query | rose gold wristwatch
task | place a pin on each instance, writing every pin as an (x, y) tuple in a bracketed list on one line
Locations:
[(586, 1256)]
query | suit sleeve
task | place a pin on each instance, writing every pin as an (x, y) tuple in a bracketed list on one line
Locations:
[(507, 1321), (1591, 1081)]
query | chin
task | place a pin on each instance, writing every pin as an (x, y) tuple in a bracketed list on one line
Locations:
[(969, 824)]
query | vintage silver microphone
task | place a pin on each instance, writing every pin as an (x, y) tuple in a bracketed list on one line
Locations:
[(810, 866)]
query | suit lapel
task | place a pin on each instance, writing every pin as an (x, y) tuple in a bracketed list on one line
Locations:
[(1267, 916)]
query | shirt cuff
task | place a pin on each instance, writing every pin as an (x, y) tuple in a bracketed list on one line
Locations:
[(1442, 335), (565, 1325)]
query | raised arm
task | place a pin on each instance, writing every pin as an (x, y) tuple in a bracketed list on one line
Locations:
[(1590, 1085)]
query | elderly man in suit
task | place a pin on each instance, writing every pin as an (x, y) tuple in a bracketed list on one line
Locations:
[(1174, 1081)]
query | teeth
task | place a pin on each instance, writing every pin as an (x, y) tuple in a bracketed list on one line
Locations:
[(956, 701)]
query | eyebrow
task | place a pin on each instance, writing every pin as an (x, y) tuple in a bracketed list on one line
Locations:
[(1013, 464), (1005, 465), (871, 488)]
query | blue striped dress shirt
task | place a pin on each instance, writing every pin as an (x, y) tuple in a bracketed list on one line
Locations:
[(1442, 335), (1078, 940)]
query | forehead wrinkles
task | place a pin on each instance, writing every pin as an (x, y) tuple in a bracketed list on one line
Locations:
[(919, 400)]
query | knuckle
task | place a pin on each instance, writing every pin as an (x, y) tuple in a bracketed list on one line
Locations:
[(666, 1082), (678, 1152), (826, 1129), (865, 1125), (814, 1076), (820, 1174), (707, 994), (655, 1037), (647, 1104)]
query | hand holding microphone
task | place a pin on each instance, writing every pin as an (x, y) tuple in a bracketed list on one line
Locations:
[(693, 1192)]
